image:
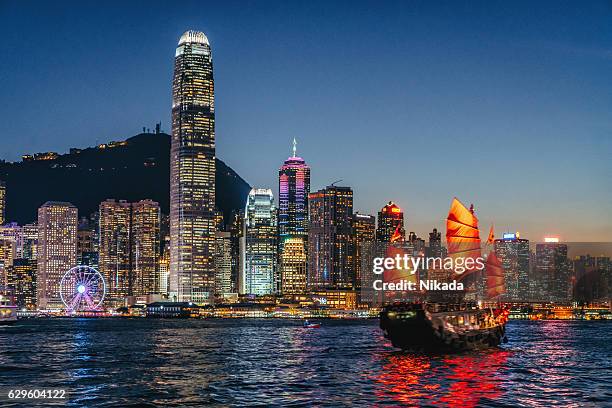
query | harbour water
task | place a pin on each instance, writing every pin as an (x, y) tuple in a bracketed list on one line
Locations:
[(146, 362)]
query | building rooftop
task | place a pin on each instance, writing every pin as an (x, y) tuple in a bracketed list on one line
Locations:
[(192, 36)]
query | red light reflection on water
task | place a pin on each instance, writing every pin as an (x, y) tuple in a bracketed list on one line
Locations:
[(453, 381)]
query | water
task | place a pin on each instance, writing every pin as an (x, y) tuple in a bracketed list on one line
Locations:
[(131, 362)]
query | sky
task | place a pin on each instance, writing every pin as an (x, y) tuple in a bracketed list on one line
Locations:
[(506, 105)]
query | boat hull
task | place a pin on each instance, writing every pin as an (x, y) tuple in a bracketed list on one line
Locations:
[(418, 330)]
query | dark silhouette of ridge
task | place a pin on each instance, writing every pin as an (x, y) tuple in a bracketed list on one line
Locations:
[(136, 169)]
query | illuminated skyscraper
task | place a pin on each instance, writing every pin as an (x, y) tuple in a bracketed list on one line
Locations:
[(2, 203), (330, 240), (364, 230), (223, 262), (7, 254), (192, 171), (552, 271), (389, 218), (129, 248), (145, 247), (293, 266), (293, 190), (114, 260), (513, 253), (260, 244), (57, 250)]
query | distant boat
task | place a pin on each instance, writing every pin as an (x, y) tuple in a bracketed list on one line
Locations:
[(452, 325), (309, 325), (8, 310)]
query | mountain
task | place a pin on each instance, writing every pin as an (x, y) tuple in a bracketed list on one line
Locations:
[(135, 169)]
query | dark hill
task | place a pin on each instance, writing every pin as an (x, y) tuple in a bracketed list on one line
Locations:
[(136, 169)]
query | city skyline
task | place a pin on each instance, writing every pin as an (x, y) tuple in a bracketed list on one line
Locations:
[(539, 127)]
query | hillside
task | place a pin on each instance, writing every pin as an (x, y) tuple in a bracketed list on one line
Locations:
[(132, 170)]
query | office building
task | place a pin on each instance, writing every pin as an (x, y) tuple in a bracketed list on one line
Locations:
[(57, 250), (192, 171)]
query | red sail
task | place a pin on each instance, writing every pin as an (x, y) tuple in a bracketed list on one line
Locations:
[(462, 234), (491, 238), (495, 276), (397, 235)]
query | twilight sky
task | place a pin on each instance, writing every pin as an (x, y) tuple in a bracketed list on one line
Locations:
[(504, 104)]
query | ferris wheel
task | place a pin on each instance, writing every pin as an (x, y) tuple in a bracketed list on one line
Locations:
[(82, 288)]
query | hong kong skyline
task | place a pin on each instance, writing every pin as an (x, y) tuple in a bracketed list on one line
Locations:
[(507, 110)]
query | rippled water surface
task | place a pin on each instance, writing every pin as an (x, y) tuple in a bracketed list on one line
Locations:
[(131, 362)]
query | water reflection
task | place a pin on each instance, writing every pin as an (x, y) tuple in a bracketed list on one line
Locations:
[(464, 380)]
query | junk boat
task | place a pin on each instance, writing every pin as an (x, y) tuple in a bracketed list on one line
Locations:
[(451, 324), (442, 327), (8, 310)]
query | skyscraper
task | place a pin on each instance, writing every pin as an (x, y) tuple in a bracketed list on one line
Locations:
[(57, 250), (293, 266), (129, 248), (192, 171), (364, 230), (2, 203), (552, 271), (114, 258), (389, 218), (145, 247), (223, 262), (513, 253), (260, 276), (293, 190), (330, 241)]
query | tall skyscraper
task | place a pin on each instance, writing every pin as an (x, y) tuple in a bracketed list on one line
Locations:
[(513, 253), (192, 171), (293, 190), (145, 247), (237, 248), (364, 231), (57, 250), (114, 258), (7, 254), (293, 266), (260, 277), (129, 248), (389, 218), (223, 263), (330, 241), (2, 203), (552, 271)]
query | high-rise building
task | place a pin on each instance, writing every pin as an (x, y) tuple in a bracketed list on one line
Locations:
[(390, 217), (330, 239), (129, 248), (364, 230), (552, 272), (293, 190), (7, 254), (434, 248), (25, 238), (192, 171), (293, 266), (513, 253), (223, 262), (22, 281), (260, 276), (237, 247), (2, 203), (57, 250), (164, 268), (145, 247), (115, 250)]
